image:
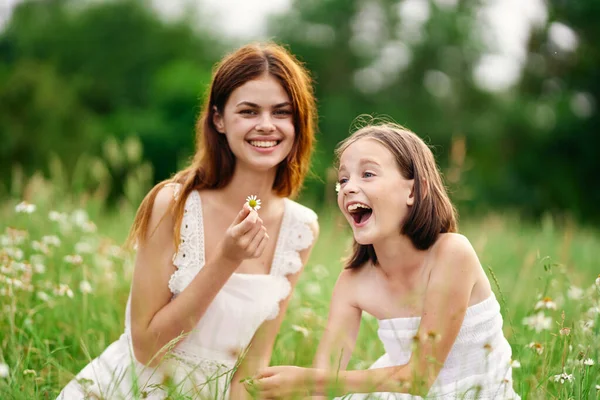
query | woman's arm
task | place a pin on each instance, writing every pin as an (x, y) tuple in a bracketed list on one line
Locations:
[(259, 353), (155, 319)]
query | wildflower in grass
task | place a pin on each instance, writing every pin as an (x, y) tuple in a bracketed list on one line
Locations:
[(537, 347), (565, 331), (43, 296), (538, 322), (545, 303), (562, 378), (85, 287), (304, 331), (337, 187), (79, 217), (312, 289), (63, 290), (30, 372), (575, 293), (74, 259), (598, 281), (592, 311), (25, 207), (51, 240), (37, 262), (586, 326), (253, 202), (14, 252), (4, 370), (597, 387), (84, 248), (515, 364), (40, 247), (57, 216), (89, 227), (16, 236), (588, 362)]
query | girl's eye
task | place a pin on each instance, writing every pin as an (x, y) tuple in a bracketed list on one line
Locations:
[(368, 174), (341, 181)]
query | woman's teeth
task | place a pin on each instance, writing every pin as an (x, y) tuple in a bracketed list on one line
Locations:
[(263, 143)]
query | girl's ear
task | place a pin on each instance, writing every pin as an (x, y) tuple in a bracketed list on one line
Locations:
[(410, 201), (218, 120)]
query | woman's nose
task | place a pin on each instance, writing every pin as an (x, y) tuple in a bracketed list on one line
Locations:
[(265, 124)]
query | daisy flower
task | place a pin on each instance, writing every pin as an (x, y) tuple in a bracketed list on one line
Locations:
[(253, 202), (338, 187), (546, 303)]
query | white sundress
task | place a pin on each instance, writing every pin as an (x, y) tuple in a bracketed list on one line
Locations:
[(201, 364), (477, 367)]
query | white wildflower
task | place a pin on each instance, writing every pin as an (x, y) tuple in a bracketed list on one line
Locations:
[(338, 186), (515, 364), (538, 322), (588, 361), (29, 372), (57, 216), (43, 296), (39, 246), (575, 293), (80, 217), (25, 207), (63, 290), (253, 202), (4, 370), (304, 331), (51, 240), (586, 326), (562, 378), (597, 387), (565, 331), (545, 303), (14, 252), (83, 248), (74, 259), (537, 347), (85, 287), (312, 289)]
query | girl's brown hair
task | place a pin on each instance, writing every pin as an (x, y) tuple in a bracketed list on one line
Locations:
[(213, 164), (432, 212)]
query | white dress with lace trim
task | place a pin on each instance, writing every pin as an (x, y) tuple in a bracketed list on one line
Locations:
[(201, 363)]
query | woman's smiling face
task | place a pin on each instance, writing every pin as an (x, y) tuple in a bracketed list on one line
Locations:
[(374, 196), (258, 123)]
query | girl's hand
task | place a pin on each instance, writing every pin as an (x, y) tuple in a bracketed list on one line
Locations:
[(281, 382), (245, 238)]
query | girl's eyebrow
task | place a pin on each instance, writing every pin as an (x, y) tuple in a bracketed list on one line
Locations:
[(254, 105), (364, 161)]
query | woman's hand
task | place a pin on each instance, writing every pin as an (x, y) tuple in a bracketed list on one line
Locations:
[(282, 382), (245, 238)]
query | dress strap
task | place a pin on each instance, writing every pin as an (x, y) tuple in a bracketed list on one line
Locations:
[(189, 257)]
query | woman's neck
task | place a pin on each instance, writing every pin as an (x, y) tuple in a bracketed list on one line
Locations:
[(245, 183), (398, 256)]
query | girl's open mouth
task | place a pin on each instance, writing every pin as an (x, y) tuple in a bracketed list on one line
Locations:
[(360, 213)]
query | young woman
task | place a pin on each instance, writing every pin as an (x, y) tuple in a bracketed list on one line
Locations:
[(439, 321), (213, 275)]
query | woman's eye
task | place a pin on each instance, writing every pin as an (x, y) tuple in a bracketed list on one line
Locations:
[(247, 112), (283, 113)]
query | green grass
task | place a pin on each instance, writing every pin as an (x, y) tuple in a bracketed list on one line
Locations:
[(46, 338)]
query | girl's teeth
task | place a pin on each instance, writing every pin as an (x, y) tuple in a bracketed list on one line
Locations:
[(263, 143), (356, 206)]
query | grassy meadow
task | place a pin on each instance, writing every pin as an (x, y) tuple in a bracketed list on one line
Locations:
[(64, 282)]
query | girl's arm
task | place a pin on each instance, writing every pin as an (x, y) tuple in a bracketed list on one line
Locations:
[(156, 319), (259, 352), (447, 297)]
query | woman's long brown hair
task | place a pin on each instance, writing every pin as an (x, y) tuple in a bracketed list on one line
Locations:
[(213, 164)]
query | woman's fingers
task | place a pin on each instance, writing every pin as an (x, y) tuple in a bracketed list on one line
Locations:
[(261, 246)]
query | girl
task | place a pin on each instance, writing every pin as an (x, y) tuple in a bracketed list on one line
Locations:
[(211, 285), (438, 318)]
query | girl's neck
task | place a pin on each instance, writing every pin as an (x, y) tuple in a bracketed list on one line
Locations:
[(398, 256)]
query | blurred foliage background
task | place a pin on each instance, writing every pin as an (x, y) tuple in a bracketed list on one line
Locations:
[(85, 81)]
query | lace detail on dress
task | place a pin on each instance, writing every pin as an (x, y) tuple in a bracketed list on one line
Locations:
[(189, 257), (296, 235)]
